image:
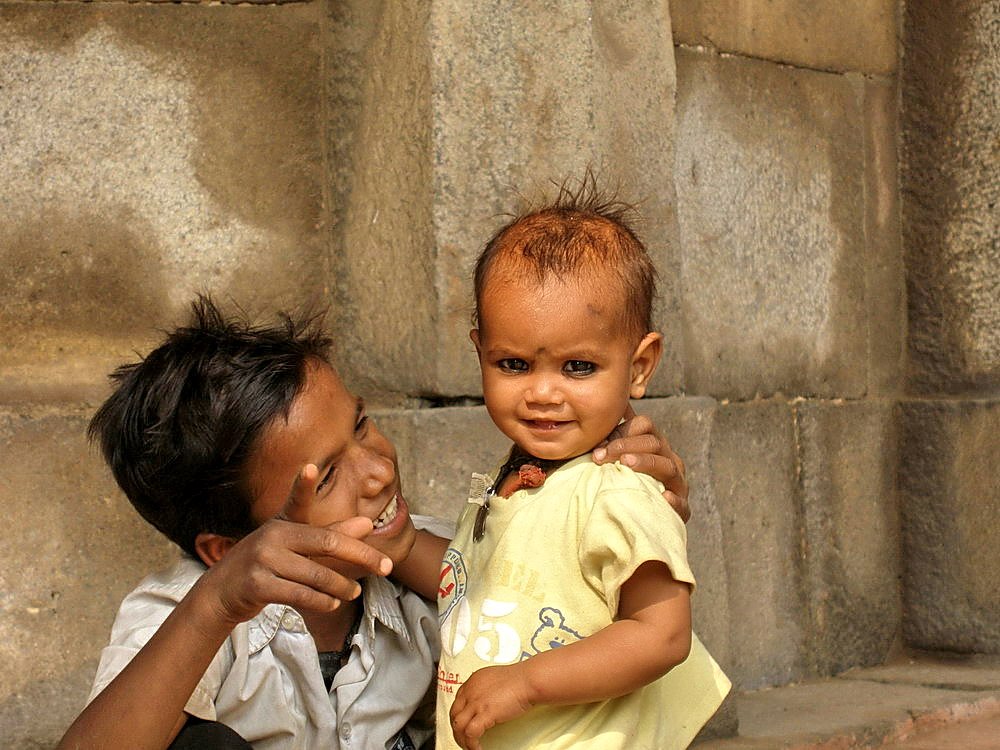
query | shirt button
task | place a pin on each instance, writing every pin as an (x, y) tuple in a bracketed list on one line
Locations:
[(345, 730), (290, 622)]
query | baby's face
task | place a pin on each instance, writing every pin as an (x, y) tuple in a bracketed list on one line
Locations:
[(358, 476), (558, 369)]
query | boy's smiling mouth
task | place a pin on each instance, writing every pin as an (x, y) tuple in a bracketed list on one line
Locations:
[(388, 514)]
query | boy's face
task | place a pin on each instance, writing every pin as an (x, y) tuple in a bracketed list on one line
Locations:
[(557, 366), (358, 476)]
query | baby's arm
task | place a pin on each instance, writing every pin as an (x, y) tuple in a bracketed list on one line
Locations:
[(651, 635), (143, 707)]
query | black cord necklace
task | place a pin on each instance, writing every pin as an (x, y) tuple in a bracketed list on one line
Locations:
[(532, 472)]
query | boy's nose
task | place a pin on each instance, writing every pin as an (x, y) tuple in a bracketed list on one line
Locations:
[(376, 472)]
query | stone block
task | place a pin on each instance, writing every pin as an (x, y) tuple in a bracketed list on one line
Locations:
[(852, 568), (72, 549), (150, 152), (752, 462), (826, 35), (771, 181), (459, 110), (885, 273), (950, 495), (950, 191)]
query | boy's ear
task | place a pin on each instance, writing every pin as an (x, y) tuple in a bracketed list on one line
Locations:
[(644, 361), (211, 547)]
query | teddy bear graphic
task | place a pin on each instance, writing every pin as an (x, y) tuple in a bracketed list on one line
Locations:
[(552, 633)]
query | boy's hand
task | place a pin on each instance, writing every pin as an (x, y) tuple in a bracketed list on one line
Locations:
[(274, 565), (279, 562), (639, 445), (490, 696)]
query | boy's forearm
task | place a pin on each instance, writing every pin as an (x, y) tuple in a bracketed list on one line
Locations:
[(422, 567), (143, 707)]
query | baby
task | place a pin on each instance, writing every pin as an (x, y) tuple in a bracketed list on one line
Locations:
[(564, 598)]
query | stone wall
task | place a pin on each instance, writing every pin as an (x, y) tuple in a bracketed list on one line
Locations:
[(832, 366)]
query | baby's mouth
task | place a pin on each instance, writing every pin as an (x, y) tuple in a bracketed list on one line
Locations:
[(388, 515)]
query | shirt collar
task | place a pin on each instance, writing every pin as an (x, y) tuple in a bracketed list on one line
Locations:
[(381, 602)]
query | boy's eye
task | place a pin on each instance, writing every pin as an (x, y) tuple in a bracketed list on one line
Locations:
[(361, 426), (512, 364), (579, 367), (326, 478)]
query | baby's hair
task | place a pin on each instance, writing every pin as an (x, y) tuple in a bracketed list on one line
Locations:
[(181, 424), (582, 233)]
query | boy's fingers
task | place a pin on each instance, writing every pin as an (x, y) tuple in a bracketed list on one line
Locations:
[(343, 542), (302, 495)]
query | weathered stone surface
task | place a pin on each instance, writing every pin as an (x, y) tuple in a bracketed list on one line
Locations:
[(848, 455), (950, 523), (752, 460), (828, 34), (149, 152), (73, 547), (770, 184), (519, 95), (885, 274), (951, 186), (862, 714), (951, 671)]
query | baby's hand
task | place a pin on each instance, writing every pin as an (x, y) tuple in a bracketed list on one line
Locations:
[(489, 697)]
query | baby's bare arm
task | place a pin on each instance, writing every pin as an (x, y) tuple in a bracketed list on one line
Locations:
[(651, 635)]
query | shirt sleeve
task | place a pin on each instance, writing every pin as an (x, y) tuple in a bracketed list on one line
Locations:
[(140, 616), (628, 526)]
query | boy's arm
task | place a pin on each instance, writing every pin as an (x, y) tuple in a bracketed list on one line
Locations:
[(651, 635), (421, 570), (143, 707)]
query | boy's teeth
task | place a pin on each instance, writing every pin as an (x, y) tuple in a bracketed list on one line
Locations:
[(388, 514)]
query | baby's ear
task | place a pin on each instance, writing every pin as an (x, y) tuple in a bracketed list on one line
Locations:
[(474, 335), (644, 361)]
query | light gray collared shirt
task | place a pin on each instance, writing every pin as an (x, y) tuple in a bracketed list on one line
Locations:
[(266, 683)]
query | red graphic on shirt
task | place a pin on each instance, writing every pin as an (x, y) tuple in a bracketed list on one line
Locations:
[(443, 591)]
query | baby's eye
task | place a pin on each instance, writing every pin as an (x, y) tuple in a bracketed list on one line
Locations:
[(513, 364), (579, 367)]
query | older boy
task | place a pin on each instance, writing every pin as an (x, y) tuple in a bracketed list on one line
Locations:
[(242, 445)]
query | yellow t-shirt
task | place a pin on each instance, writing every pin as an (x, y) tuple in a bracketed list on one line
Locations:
[(549, 571)]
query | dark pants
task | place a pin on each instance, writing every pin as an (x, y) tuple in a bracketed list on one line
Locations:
[(208, 735)]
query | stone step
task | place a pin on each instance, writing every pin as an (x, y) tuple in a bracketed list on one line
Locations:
[(897, 705)]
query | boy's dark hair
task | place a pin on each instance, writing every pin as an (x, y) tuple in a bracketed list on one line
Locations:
[(582, 231), (182, 423)]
